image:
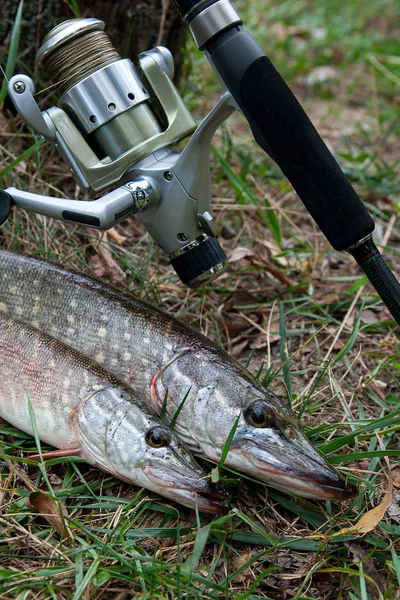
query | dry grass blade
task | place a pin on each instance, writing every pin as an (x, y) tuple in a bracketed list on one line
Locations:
[(12, 53), (103, 264)]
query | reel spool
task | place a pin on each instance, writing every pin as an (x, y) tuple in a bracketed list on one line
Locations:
[(102, 93)]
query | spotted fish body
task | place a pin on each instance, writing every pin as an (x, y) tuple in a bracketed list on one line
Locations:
[(80, 407), (159, 357)]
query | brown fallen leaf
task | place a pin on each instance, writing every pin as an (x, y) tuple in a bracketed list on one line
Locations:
[(104, 265), (51, 511), (396, 476), (326, 298), (238, 348), (282, 32), (262, 340), (238, 562), (117, 237), (369, 316), (238, 253), (370, 519), (393, 511), (360, 556)]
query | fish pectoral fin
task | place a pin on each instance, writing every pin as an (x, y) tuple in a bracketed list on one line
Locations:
[(56, 454)]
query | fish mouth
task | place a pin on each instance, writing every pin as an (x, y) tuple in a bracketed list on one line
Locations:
[(201, 494), (192, 492), (298, 470), (327, 485), (209, 501)]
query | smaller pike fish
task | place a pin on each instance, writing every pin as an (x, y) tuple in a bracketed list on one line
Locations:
[(85, 411)]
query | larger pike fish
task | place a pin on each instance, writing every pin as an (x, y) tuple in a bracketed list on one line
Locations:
[(166, 362), (83, 410)]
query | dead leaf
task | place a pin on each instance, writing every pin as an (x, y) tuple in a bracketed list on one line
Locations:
[(50, 510), (238, 562), (370, 519), (55, 480), (275, 250), (104, 265), (97, 266), (117, 237), (380, 384), (396, 476), (240, 297), (359, 555), (277, 273), (320, 75), (261, 341), (369, 316), (238, 348), (338, 55), (379, 24), (5, 127), (328, 298), (238, 253)]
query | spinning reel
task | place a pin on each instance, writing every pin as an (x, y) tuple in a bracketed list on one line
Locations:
[(115, 126)]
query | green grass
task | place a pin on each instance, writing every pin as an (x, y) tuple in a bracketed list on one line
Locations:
[(12, 53), (300, 314)]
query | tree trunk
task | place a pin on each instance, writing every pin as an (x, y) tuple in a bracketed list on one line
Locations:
[(132, 25)]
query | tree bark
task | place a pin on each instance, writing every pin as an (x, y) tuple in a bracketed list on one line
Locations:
[(132, 25)]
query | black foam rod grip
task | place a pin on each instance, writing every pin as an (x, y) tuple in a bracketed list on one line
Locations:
[(282, 128)]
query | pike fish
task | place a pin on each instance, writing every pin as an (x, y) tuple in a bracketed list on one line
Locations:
[(85, 411), (171, 366)]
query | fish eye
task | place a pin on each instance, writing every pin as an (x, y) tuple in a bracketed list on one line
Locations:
[(258, 415), (157, 437)]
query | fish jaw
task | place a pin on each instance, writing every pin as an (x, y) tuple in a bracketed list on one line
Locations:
[(184, 481), (191, 491), (291, 465)]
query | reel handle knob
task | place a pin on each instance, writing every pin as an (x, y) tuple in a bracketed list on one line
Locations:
[(199, 262)]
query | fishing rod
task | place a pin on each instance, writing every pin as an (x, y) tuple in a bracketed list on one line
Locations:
[(115, 125)]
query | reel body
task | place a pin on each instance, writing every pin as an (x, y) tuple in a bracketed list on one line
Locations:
[(115, 126)]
